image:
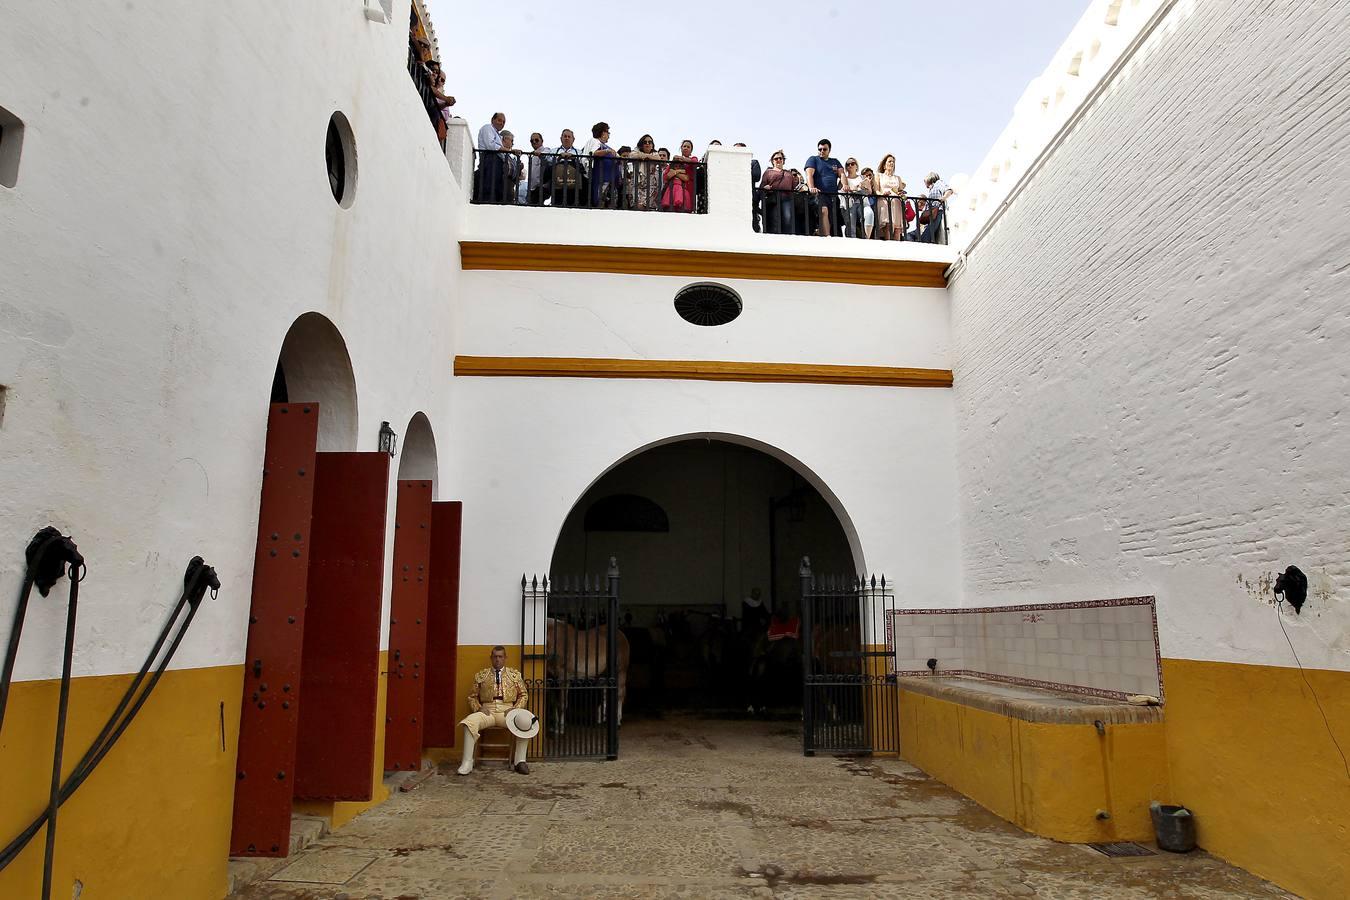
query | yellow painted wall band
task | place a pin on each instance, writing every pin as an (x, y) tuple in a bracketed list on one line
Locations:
[(698, 370)]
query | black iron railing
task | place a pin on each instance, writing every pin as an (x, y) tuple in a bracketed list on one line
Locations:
[(572, 179), (880, 217), (574, 660), (421, 77)]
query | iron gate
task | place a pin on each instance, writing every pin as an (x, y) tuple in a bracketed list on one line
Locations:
[(849, 694), (569, 637)]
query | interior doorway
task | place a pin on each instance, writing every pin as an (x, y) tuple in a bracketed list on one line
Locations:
[(709, 535)]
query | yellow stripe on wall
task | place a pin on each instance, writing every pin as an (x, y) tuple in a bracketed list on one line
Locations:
[(154, 818), (521, 257), (698, 370), (1250, 755)]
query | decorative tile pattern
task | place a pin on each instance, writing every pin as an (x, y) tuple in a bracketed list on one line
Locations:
[(1105, 648)]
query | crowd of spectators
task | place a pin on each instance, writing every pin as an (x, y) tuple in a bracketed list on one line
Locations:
[(826, 197), (595, 174)]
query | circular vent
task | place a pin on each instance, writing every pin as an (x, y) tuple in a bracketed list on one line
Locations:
[(708, 304)]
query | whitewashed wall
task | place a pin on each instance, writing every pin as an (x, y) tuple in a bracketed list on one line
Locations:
[(1151, 371), (172, 217), (528, 448), (633, 317)]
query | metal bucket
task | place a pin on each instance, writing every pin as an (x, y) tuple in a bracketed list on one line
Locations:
[(1174, 827)]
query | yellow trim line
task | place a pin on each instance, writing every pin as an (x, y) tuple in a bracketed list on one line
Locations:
[(507, 256), (698, 370)]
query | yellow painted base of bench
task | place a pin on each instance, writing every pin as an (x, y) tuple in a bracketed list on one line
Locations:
[(1049, 778)]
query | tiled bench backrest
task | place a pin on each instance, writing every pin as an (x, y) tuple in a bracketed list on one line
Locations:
[(1106, 648)]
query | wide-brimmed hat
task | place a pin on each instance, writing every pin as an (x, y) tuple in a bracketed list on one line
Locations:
[(522, 723)]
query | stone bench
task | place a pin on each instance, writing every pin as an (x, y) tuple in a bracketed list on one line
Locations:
[(1065, 766)]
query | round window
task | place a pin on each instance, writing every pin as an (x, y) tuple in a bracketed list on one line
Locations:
[(708, 304), (340, 154)]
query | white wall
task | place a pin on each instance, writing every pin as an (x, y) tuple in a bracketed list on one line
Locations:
[(1151, 370), (528, 448), (633, 317), (172, 217)]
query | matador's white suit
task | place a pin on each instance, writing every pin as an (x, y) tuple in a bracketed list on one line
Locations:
[(496, 692)]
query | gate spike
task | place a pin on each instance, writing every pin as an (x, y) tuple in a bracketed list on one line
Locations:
[(522, 581), (546, 583)]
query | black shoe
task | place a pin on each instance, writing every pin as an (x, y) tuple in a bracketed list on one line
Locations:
[(522, 769)]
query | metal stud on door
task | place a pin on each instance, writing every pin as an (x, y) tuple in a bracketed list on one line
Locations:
[(407, 627), (269, 717)]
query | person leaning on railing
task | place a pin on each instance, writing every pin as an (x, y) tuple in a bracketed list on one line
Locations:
[(491, 170), (892, 214), (934, 209), (511, 168), (822, 180), (869, 191), (567, 173), (604, 165), (777, 186), (537, 167), (678, 194), (850, 199), (642, 189)]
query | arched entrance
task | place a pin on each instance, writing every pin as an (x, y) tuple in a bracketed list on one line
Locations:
[(308, 720), (709, 532)]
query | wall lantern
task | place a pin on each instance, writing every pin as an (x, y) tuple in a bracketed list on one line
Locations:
[(388, 440)]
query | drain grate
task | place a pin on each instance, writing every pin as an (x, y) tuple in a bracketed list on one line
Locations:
[(1121, 849)]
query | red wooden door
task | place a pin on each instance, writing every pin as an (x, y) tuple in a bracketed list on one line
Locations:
[(335, 749), (407, 627), (268, 718), (442, 698)]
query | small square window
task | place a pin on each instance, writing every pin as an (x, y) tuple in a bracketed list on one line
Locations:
[(11, 142)]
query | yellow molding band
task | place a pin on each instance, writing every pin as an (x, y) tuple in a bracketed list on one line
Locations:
[(507, 256), (698, 370)]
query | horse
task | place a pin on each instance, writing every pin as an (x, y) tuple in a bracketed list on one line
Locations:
[(575, 654), (775, 670)]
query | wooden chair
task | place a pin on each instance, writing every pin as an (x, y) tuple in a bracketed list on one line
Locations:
[(494, 744)]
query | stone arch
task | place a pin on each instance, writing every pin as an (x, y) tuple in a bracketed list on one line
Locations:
[(418, 453), (792, 462), (314, 366)]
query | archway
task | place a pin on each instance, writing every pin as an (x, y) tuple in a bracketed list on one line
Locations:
[(709, 532), (311, 681), (313, 366), (418, 455)]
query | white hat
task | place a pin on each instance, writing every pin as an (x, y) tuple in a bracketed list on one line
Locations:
[(522, 723)]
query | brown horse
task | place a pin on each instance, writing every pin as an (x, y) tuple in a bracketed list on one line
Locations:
[(575, 654)]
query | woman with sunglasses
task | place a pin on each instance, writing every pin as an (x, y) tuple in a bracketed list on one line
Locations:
[(777, 185), (643, 185)]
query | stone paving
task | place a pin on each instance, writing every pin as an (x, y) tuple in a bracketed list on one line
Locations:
[(714, 809)]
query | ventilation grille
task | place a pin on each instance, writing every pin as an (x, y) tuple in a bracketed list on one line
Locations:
[(707, 304), (1123, 848)]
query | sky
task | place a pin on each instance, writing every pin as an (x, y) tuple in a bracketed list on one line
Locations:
[(933, 83)]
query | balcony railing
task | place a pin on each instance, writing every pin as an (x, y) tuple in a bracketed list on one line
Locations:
[(574, 180), (422, 82), (851, 215)]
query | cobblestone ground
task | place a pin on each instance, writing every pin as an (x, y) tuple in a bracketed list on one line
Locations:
[(714, 809)]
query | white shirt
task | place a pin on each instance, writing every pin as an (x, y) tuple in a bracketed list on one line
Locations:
[(489, 138), (537, 167), (589, 150)]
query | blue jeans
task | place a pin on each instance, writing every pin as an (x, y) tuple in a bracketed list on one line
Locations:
[(778, 212), (932, 232)]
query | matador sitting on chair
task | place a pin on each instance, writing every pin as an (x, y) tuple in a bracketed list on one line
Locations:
[(498, 700)]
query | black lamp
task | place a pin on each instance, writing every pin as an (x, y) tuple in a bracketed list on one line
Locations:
[(388, 440)]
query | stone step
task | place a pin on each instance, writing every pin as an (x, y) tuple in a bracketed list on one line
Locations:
[(243, 871)]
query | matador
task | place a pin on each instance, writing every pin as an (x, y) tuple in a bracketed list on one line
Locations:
[(498, 700)]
